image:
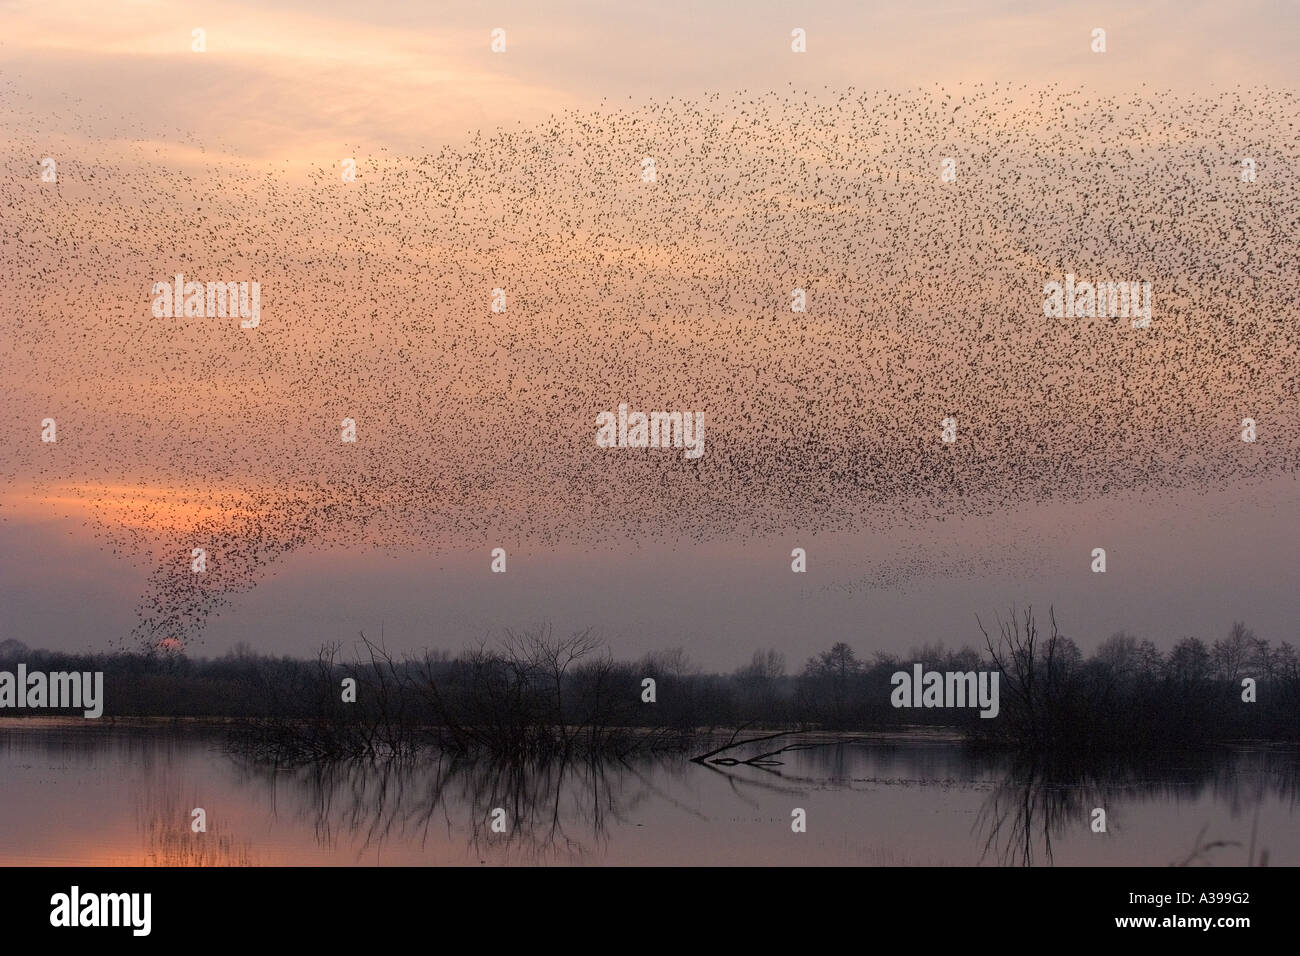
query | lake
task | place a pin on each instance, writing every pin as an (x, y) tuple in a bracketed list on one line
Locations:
[(116, 793)]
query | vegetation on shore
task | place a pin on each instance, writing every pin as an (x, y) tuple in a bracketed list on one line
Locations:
[(537, 695)]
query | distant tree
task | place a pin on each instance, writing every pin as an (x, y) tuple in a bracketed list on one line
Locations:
[(966, 659), (669, 662), (832, 672), (1189, 662), (1149, 660), (839, 662), (769, 664), (1284, 663), (756, 684), (1238, 651), (928, 655), (886, 661), (1119, 654)]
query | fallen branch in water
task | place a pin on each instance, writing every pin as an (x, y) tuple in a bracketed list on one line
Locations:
[(732, 744)]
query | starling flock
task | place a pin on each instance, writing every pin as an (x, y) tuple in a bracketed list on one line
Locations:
[(474, 310)]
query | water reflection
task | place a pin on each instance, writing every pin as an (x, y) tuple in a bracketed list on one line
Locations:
[(166, 843), (1035, 801), (559, 811), (125, 795)]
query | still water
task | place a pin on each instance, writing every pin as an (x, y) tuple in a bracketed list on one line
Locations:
[(120, 794)]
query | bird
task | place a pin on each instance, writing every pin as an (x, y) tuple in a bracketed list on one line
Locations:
[(924, 302)]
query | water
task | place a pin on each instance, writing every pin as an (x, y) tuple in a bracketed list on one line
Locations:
[(122, 794)]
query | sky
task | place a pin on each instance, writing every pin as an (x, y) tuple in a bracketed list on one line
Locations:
[(477, 433), (295, 81)]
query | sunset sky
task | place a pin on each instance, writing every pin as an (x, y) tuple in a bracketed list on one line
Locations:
[(477, 432), (302, 81)]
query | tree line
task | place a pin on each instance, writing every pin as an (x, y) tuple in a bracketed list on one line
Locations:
[(537, 694)]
